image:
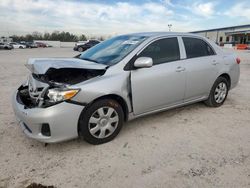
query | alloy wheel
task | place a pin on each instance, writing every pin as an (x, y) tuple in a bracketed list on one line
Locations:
[(220, 92)]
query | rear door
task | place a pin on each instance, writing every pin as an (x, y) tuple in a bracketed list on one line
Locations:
[(201, 66), (163, 84)]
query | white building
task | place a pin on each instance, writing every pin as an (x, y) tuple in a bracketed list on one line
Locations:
[(228, 35)]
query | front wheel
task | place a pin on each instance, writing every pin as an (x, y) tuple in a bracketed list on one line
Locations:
[(101, 122), (80, 49), (218, 93)]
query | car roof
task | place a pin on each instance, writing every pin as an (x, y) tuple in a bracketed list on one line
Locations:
[(160, 34)]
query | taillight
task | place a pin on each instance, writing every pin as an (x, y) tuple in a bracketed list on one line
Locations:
[(238, 60)]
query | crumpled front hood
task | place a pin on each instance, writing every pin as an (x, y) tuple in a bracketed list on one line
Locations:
[(41, 65)]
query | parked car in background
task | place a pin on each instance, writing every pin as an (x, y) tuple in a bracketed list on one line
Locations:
[(120, 79), (41, 44), (29, 44), (17, 45), (5, 46), (81, 42), (83, 47)]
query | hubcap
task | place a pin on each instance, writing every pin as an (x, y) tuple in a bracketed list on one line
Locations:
[(103, 122), (220, 92)]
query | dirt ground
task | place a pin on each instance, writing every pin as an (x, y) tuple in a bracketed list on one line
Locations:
[(192, 146)]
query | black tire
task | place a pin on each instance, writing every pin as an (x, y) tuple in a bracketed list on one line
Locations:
[(211, 101), (84, 127), (80, 49), (20, 47)]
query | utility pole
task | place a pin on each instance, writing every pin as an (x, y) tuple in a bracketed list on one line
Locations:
[(169, 26)]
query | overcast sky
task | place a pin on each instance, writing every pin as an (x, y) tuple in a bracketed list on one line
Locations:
[(111, 17)]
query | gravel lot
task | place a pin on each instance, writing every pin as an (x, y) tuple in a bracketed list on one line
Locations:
[(192, 146)]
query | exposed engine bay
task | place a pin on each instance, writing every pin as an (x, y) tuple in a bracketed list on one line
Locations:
[(36, 92), (69, 76)]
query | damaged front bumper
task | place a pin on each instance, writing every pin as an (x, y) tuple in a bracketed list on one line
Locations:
[(43, 105), (50, 124)]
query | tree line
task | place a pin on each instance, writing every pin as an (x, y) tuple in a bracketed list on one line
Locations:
[(54, 36)]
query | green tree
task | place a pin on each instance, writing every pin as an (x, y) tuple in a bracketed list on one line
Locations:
[(82, 38), (46, 36), (29, 37), (37, 35), (55, 35)]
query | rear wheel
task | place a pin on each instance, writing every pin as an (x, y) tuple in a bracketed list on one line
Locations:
[(218, 93), (101, 122)]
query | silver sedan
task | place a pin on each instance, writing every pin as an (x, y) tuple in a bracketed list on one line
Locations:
[(125, 77)]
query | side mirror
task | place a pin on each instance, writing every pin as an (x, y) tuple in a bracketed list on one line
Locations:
[(143, 62)]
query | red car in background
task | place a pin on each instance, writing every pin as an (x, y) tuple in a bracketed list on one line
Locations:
[(41, 45)]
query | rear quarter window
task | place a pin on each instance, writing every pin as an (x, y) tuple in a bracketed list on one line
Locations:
[(197, 47)]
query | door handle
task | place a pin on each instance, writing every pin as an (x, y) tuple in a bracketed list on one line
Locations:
[(180, 69)]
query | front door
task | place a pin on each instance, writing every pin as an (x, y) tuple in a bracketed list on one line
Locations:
[(163, 84)]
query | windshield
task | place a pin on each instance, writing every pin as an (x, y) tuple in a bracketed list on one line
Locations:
[(113, 50)]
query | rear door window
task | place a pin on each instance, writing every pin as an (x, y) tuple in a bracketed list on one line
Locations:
[(197, 47)]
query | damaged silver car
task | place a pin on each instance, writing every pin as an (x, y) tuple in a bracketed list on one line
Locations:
[(120, 79)]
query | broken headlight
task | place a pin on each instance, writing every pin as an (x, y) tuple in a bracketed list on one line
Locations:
[(59, 94)]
